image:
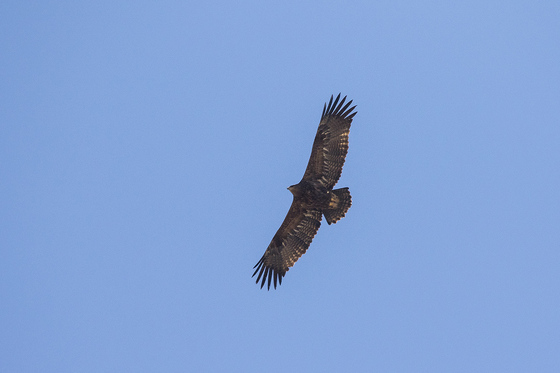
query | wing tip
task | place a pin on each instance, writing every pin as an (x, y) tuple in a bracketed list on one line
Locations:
[(267, 274), (335, 108)]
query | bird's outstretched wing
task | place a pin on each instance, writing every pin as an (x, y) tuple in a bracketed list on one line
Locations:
[(289, 243), (331, 143)]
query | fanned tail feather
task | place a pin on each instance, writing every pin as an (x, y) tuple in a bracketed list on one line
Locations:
[(342, 205)]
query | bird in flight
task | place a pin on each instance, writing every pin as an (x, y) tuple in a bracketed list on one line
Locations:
[(314, 195)]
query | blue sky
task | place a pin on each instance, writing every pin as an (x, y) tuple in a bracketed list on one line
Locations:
[(145, 151)]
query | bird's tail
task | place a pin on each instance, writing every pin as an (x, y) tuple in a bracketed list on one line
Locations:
[(340, 203)]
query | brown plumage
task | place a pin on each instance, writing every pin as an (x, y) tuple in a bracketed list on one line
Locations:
[(313, 195)]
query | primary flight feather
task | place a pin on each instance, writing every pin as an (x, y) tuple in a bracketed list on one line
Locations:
[(314, 195)]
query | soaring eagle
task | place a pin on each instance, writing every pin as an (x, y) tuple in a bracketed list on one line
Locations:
[(314, 195)]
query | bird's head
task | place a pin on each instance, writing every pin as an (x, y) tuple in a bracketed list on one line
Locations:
[(294, 189)]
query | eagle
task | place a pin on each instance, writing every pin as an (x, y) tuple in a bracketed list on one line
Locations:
[(314, 195)]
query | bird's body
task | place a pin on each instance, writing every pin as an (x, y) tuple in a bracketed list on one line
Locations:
[(311, 194), (314, 195)]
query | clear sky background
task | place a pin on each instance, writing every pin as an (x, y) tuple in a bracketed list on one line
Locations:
[(145, 151)]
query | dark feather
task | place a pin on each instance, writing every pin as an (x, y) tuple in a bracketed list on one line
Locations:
[(331, 143), (290, 242)]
